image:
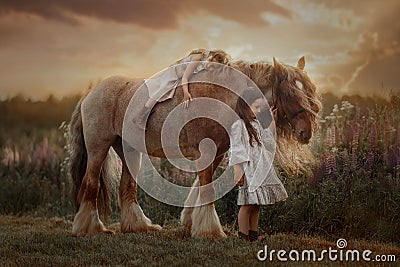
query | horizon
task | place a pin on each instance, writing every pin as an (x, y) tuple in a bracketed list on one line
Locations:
[(26, 98), (59, 48)]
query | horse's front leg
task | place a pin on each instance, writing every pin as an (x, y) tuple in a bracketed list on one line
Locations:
[(204, 218), (186, 214)]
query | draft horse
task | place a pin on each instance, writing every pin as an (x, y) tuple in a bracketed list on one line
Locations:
[(96, 127)]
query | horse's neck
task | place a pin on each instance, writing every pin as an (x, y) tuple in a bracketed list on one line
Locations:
[(261, 73), (265, 80)]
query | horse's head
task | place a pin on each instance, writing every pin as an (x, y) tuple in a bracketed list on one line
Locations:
[(297, 101)]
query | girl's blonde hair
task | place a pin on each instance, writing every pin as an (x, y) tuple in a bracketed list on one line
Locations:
[(218, 55)]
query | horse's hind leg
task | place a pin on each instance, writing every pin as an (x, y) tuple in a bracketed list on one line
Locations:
[(87, 221), (205, 221), (132, 217)]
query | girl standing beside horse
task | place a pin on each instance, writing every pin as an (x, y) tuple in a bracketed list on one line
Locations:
[(250, 156), (162, 86)]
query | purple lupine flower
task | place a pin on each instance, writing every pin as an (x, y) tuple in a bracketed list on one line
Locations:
[(357, 115), (363, 123), (337, 136), (372, 137), (354, 145), (346, 164), (393, 157), (330, 139), (54, 160), (347, 135), (387, 128), (330, 165)]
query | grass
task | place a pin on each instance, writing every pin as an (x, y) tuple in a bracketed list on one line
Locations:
[(33, 241)]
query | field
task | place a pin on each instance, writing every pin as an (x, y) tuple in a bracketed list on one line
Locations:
[(47, 242), (353, 193)]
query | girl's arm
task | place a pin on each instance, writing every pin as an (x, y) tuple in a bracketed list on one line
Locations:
[(274, 113), (238, 177), (267, 134), (194, 61)]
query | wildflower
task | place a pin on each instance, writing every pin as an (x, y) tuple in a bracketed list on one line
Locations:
[(372, 137), (337, 135), (330, 165), (335, 109), (346, 165)]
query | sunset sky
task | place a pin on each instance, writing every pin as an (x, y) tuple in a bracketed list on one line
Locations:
[(59, 47)]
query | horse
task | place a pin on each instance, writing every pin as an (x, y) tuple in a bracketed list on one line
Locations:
[(96, 126)]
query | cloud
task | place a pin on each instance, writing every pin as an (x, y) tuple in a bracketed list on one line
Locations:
[(355, 74), (154, 14), (63, 45)]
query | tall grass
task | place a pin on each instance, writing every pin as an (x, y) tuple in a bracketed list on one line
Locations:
[(32, 177)]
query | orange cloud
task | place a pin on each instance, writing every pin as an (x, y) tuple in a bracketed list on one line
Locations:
[(155, 14), (60, 46)]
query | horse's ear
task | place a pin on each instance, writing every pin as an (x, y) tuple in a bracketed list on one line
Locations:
[(278, 68), (301, 63)]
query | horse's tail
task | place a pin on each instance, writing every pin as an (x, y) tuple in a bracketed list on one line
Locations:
[(77, 152), (78, 163)]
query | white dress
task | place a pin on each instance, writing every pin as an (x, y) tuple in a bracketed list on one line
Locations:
[(261, 184), (162, 85)]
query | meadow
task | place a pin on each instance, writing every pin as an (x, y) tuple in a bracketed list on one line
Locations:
[(353, 192)]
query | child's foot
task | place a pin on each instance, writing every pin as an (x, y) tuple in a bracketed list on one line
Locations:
[(243, 237), (253, 235)]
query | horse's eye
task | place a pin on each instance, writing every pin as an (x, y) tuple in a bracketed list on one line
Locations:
[(299, 84)]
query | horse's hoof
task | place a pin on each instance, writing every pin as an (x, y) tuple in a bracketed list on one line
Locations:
[(108, 232), (154, 227)]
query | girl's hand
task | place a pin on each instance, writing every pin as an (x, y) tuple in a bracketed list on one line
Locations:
[(186, 98), (240, 182), (238, 175), (274, 113)]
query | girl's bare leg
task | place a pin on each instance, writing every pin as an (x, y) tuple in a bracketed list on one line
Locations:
[(244, 218), (255, 212)]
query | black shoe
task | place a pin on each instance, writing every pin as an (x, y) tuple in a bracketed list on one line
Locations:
[(243, 236), (253, 235)]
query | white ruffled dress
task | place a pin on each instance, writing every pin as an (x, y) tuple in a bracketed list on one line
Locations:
[(261, 186), (162, 85)]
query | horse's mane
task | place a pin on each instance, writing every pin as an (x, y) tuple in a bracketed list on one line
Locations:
[(292, 156), (260, 72)]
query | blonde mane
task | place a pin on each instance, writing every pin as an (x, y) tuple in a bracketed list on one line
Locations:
[(292, 156)]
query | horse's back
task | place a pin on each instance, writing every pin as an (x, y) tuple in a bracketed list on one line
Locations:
[(105, 105)]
